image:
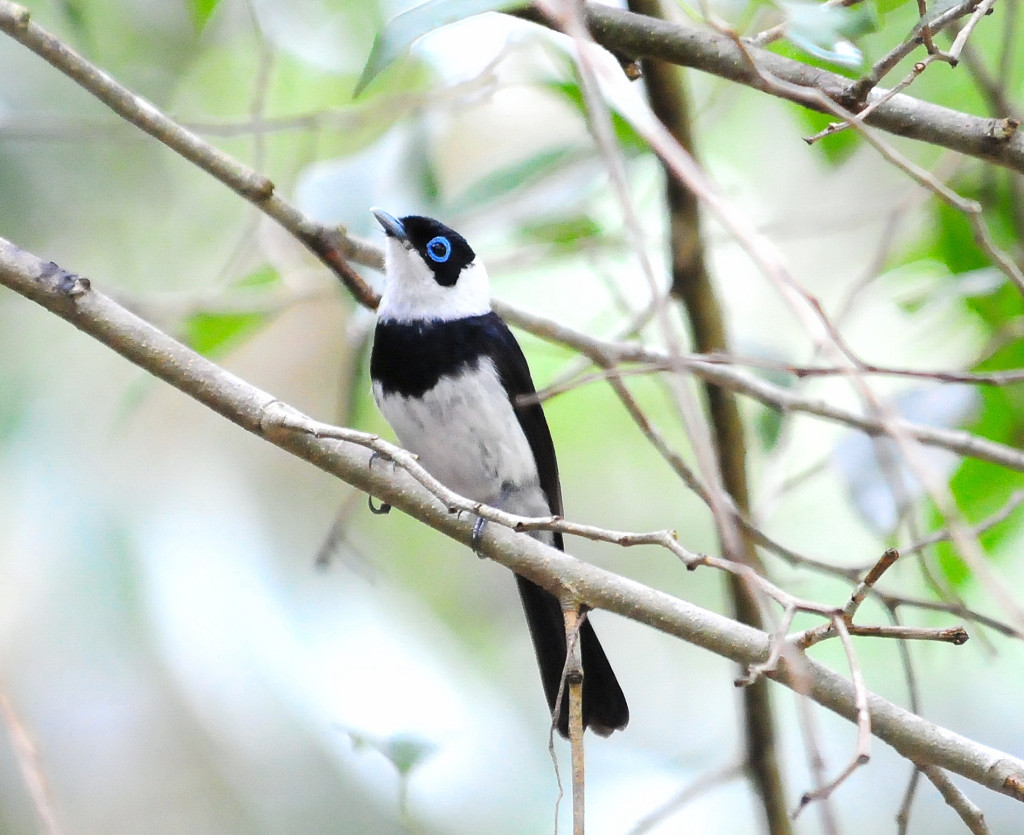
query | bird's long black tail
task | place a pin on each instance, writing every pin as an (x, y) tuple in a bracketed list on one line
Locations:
[(604, 705)]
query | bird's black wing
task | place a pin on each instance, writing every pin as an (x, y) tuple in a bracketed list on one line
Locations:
[(514, 372), (604, 705)]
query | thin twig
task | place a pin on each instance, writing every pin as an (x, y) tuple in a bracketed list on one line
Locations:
[(862, 754), (329, 245), (30, 766), (607, 354), (862, 115), (951, 607), (886, 63), (969, 813), (816, 762), (1015, 500), (971, 209), (702, 784), (984, 8), (956, 635), (903, 814), (778, 645), (572, 676), (924, 28), (885, 562), (577, 378)]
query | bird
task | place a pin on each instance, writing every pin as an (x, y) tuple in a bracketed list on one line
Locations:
[(448, 375)]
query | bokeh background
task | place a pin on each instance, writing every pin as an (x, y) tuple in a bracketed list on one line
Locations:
[(201, 634)]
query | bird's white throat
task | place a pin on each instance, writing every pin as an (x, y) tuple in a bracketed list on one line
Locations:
[(412, 294)]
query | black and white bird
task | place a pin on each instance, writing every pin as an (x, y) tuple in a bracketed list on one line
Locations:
[(446, 374)]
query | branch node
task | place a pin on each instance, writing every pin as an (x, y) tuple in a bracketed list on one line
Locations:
[(20, 15), (1014, 787), (74, 286), (1002, 130), (259, 188)]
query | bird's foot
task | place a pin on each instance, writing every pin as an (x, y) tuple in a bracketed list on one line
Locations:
[(478, 535)]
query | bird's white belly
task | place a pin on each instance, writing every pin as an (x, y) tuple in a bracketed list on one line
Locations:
[(465, 434)]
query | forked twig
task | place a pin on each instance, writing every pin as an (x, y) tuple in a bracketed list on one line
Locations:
[(862, 753)]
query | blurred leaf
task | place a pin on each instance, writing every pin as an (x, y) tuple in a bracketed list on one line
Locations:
[(403, 30), (403, 751), (74, 13), (214, 333), (627, 137), (563, 232), (955, 242), (953, 568), (201, 11), (512, 177), (407, 752), (265, 276), (827, 31), (768, 426), (950, 238), (767, 422), (788, 49), (880, 485), (940, 7), (885, 6), (982, 488)]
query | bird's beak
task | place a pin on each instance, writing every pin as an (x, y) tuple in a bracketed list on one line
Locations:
[(391, 225)]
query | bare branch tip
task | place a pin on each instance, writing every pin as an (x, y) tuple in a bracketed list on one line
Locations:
[(74, 286)]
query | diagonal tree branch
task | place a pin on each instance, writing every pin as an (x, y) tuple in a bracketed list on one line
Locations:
[(329, 245), (639, 36), (72, 298)]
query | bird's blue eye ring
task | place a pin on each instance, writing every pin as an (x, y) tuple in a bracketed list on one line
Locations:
[(439, 249)]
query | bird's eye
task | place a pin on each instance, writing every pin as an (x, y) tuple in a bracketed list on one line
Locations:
[(439, 249)]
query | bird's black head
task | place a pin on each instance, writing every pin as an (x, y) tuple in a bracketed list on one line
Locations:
[(444, 250), (432, 272)]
